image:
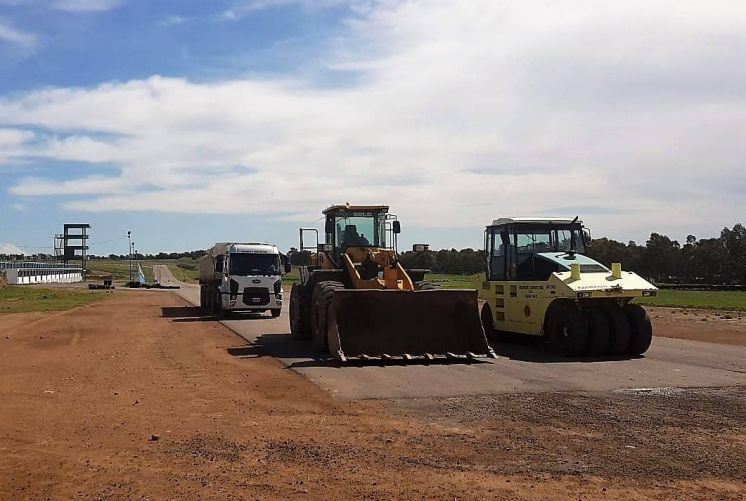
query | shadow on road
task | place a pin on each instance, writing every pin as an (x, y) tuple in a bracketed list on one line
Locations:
[(182, 312), (196, 314), (248, 351), (533, 351), (303, 354)]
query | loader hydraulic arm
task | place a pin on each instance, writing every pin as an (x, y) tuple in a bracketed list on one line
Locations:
[(394, 275)]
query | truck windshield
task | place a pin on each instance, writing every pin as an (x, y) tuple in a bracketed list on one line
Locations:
[(254, 264)]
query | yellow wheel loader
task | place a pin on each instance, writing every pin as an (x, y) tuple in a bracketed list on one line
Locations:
[(538, 282), (357, 301)]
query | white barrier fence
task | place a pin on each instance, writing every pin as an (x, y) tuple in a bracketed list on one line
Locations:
[(28, 276)]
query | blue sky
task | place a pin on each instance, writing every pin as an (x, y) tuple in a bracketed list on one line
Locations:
[(191, 122)]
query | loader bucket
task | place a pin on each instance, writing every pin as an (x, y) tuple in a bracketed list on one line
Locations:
[(393, 324)]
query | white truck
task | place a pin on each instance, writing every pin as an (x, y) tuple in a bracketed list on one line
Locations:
[(242, 277)]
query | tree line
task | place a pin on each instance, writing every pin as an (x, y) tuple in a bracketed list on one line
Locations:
[(719, 260)]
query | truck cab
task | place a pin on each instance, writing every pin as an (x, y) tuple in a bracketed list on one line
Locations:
[(242, 277)]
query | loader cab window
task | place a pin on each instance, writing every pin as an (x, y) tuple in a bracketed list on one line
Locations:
[(359, 230)]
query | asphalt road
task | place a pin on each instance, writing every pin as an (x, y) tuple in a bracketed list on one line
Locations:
[(670, 363)]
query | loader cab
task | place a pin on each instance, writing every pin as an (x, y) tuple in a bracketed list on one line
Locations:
[(526, 249), (358, 226)]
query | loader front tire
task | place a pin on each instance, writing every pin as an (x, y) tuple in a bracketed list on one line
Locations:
[(620, 330), (300, 312), (424, 285), (488, 321), (567, 330), (599, 333), (321, 299), (641, 329)]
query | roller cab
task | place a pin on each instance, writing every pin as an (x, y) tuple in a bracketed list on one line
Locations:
[(539, 282)]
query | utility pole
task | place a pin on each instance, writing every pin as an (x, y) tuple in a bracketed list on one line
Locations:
[(129, 251)]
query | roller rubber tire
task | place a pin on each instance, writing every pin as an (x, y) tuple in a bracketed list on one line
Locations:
[(619, 328), (567, 330), (599, 333), (641, 327)]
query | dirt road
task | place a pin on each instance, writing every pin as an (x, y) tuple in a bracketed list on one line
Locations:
[(118, 401)]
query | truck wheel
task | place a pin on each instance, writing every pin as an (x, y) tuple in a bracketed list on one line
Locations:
[(217, 303), (641, 327), (276, 312), (599, 333), (202, 296), (567, 330), (300, 313), (321, 299), (620, 330)]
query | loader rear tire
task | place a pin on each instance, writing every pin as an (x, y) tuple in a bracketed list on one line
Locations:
[(567, 330), (300, 312), (599, 332), (321, 299), (620, 330), (641, 327)]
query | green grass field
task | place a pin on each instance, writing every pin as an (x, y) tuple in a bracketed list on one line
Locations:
[(446, 281), (25, 299), (716, 300)]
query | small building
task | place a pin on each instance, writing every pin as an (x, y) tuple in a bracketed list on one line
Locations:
[(27, 273)]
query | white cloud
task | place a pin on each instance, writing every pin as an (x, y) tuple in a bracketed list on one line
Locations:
[(9, 34), (11, 143), (461, 112), (171, 21), (242, 9), (10, 249), (85, 5)]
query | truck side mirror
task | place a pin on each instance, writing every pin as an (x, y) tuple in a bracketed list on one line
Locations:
[(286, 263), (396, 227)]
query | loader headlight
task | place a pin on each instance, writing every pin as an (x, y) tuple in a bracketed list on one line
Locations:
[(649, 293)]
